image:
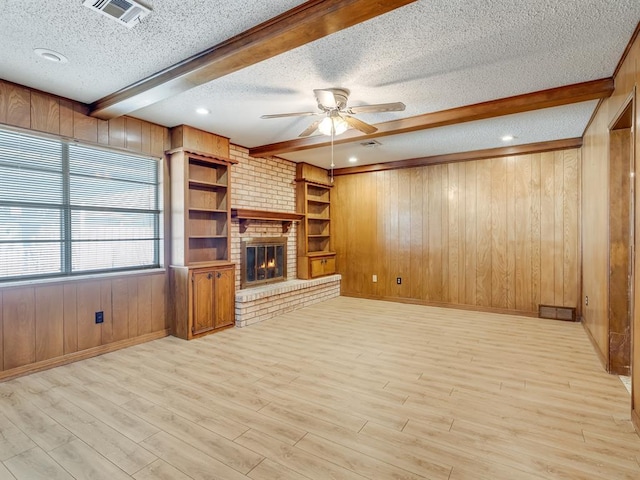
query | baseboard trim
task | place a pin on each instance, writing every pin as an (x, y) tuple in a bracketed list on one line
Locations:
[(635, 420), (601, 356), (456, 306), (84, 354)]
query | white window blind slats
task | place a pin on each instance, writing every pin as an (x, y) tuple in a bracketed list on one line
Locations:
[(30, 186), (108, 193), (30, 152), (113, 226), (92, 256), (30, 224), (83, 161)]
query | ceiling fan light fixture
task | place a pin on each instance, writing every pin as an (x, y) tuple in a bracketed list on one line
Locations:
[(339, 125)]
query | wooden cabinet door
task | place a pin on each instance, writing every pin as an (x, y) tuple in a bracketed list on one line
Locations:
[(316, 267), (203, 302), (224, 297), (330, 265), (320, 266)]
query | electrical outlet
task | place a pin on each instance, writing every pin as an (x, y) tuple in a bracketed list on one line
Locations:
[(399, 280), (586, 300), (375, 278), (99, 317)]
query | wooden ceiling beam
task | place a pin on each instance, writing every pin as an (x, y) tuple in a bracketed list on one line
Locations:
[(305, 23), (554, 97), (509, 151)]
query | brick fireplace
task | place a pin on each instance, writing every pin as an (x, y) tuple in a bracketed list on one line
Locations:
[(268, 185)]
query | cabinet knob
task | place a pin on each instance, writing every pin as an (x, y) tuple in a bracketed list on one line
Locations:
[(218, 274), (210, 276)]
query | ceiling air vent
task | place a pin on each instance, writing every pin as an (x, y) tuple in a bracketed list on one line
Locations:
[(125, 12), (371, 144)]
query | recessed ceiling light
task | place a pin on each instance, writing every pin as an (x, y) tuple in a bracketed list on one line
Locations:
[(50, 55), (507, 138), (203, 111), (353, 159)]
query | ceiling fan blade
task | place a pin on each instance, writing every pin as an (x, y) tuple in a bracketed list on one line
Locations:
[(359, 124), (310, 129), (326, 98), (379, 107), (283, 115)]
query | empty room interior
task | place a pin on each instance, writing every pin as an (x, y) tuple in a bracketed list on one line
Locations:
[(332, 239)]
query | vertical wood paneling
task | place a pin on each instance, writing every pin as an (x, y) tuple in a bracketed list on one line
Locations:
[(16, 105), (367, 195), (523, 239), (103, 132), (547, 229), (66, 118), (49, 321), (84, 127), (394, 234), (144, 305), (444, 234), (159, 140), (484, 233), (453, 218), (132, 306), (570, 221), (105, 306), (511, 201), (117, 132), (4, 100), (434, 216), (470, 233), (382, 214), (158, 299), (45, 113), (19, 326), (558, 244), (145, 137), (415, 264), (404, 231), (89, 300), (133, 134), (499, 245), (70, 308), (536, 232), (120, 308)]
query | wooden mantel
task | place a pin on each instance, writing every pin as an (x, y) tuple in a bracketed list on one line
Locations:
[(246, 216)]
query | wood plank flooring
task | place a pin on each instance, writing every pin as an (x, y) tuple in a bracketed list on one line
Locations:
[(346, 389)]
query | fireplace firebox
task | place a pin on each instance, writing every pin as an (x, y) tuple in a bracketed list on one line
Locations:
[(263, 261)]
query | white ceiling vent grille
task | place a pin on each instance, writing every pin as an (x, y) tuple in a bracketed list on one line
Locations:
[(125, 12)]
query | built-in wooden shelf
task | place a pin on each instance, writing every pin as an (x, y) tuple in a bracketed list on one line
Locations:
[(247, 216)]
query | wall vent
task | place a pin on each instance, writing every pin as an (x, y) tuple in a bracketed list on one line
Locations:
[(557, 313), (125, 12), (371, 143)]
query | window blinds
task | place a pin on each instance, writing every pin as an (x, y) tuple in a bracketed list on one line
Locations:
[(67, 208)]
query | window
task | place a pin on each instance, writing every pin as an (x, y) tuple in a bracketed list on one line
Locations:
[(67, 209)]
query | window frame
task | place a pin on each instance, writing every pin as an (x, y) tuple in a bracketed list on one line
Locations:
[(66, 208)]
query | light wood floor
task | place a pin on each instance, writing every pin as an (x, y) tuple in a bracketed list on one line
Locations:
[(347, 389)]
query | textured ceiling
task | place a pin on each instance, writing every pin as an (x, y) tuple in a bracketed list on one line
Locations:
[(431, 55)]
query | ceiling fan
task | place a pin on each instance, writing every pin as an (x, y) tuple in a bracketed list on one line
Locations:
[(332, 103)]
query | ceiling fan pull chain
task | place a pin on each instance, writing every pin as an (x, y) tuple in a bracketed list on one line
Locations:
[(333, 130)]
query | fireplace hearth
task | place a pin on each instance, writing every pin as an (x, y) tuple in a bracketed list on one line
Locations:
[(263, 261)]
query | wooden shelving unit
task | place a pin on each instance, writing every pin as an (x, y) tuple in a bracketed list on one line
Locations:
[(315, 254), (202, 275)]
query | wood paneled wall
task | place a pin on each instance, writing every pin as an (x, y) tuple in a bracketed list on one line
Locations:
[(498, 234), (30, 109), (595, 222), (45, 324)]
